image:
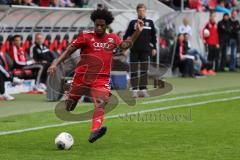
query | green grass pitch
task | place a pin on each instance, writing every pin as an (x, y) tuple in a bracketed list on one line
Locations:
[(198, 120)]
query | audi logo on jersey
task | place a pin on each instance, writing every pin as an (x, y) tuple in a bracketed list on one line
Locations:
[(101, 45)]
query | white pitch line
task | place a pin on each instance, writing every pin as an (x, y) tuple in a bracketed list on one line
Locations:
[(116, 116), (180, 97), (192, 96), (187, 97)]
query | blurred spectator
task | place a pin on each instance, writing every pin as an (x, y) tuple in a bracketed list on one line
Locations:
[(42, 55), (224, 31), (28, 3), (66, 3), (17, 2), (211, 39), (36, 2), (221, 7), (6, 76), (6, 2), (186, 28), (165, 51), (183, 61), (212, 4), (235, 2), (22, 62), (78, 3), (195, 4), (44, 3), (235, 27), (205, 4), (18, 54), (231, 3), (55, 3), (201, 64)]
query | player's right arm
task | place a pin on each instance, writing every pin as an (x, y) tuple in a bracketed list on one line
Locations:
[(66, 54), (76, 44)]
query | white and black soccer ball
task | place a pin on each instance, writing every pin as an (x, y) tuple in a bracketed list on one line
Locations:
[(206, 33), (64, 141)]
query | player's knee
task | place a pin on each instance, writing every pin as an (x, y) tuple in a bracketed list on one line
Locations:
[(101, 102)]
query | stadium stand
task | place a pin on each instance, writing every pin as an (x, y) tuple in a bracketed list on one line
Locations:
[(48, 3), (59, 30), (201, 5)]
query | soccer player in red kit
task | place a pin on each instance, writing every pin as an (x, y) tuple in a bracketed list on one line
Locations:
[(93, 71)]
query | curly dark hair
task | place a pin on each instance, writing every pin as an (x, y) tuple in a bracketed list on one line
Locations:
[(102, 14)]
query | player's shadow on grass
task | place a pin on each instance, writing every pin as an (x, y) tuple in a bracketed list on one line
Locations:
[(161, 88), (63, 114)]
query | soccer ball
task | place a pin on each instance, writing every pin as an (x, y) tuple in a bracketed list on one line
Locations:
[(64, 141), (206, 33)]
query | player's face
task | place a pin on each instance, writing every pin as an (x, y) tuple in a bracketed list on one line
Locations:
[(141, 12), (100, 27), (17, 41)]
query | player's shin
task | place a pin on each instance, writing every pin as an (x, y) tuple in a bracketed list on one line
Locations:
[(71, 101), (98, 115)]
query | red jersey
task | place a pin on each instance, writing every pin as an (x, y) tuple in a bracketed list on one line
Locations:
[(96, 52), (18, 55), (213, 38)]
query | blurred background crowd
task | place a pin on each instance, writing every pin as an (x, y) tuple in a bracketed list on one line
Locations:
[(203, 5), (46, 3), (197, 42)]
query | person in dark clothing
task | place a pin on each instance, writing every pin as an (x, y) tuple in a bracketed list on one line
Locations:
[(224, 31), (143, 47), (5, 2), (235, 27), (182, 60), (6, 76), (78, 3), (42, 55)]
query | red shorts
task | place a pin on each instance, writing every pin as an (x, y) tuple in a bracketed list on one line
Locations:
[(90, 86)]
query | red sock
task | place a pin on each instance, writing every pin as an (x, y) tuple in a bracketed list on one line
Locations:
[(98, 117)]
